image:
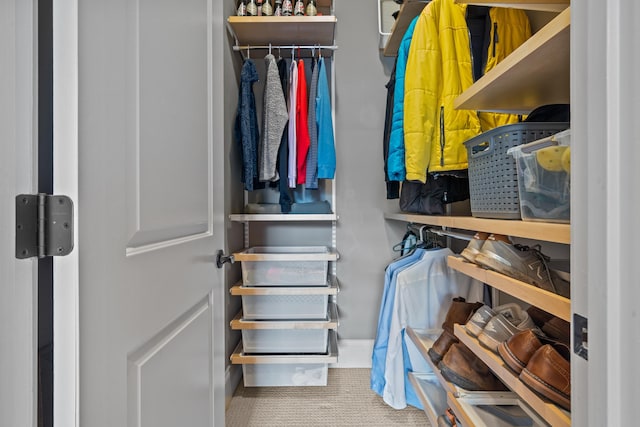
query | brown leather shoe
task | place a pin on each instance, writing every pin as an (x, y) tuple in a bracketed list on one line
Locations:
[(549, 373), (558, 329), (463, 368), (518, 350), (539, 316), (554, 327), (441, 346), (459, 312)]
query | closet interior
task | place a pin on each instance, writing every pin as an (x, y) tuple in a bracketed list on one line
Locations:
[(274, 312), (289, 315)]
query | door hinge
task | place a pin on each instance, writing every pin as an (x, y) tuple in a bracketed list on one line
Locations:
[(44, 225)]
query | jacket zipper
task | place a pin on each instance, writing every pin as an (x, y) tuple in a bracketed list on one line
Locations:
[(442, 141), (473, 73), (495, 37)]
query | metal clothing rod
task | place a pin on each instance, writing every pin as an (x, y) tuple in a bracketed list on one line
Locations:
[(420, 229), (250, 47), (454, 234)]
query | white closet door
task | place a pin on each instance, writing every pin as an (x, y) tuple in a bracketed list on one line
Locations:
[(138, 328), (18, 144)]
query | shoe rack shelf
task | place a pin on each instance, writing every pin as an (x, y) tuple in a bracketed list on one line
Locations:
[(436, 393), (552, 303), (424, 339), (468, 415), (431, 395), (551, 413), (549, 232)]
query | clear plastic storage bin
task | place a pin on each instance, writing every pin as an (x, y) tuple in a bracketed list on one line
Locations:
[(282, 341), (270, 307), (285, 265), (544, 178), (280, 375)]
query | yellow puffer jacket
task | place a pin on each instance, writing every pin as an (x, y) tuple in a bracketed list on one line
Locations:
[(439, 68)]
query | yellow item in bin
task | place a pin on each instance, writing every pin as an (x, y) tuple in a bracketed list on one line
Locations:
[(550, 158), (566, 160)]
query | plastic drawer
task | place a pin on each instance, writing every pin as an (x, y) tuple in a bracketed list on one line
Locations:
[(261, 307), (282, 341), (285, 265), (281, 375)]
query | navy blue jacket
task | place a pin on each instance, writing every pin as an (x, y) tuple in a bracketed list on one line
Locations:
[(247, 133)]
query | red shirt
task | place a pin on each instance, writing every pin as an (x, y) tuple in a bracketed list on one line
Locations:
[(302, 127)]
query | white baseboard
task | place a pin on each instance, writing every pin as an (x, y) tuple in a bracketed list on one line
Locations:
[(354, 354)]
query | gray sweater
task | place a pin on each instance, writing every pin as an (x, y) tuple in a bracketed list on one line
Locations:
[(275, 117)]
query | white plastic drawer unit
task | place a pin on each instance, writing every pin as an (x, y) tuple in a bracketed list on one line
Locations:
[(285, 303), (286, 336), (289, 375), (268, 370), (278, 307), (280, 341), (285, 265)]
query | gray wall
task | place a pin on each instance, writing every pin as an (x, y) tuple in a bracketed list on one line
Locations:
[(364, 238)]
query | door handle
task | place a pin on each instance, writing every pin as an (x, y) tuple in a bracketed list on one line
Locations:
[(222, 259)]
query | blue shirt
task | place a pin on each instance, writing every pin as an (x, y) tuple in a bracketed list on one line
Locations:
[(379, 356)]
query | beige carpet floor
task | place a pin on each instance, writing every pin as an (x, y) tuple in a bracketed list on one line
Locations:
[(346, 401)]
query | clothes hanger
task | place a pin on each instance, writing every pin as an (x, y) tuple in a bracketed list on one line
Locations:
[(408, 244), (428, 239)]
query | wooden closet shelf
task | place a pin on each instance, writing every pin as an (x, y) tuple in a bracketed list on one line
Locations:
[(541, 5), (535, 74), (550, 302), (546, 231), (409, 10), (551, 413), (283, 30)]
